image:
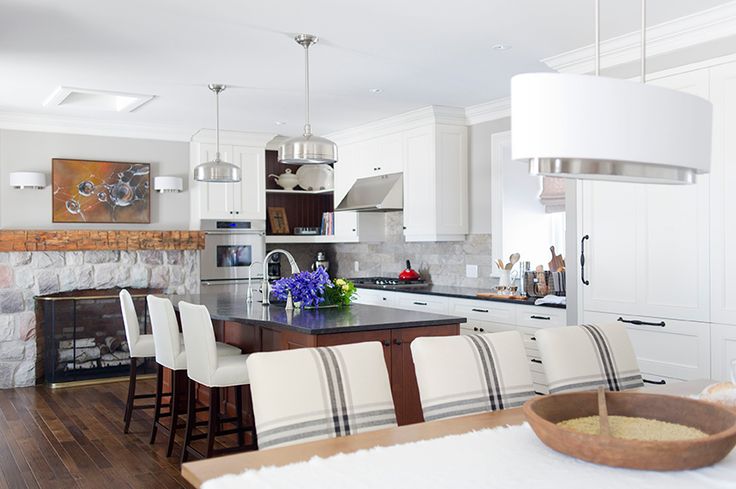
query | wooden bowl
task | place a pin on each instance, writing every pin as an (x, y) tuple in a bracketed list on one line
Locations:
[(717, 422)]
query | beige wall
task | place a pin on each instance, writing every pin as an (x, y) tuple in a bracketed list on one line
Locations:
[(33, 151)]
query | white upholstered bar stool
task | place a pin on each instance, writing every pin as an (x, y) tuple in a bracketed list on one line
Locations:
[(205, 367), (468, 374), (312, 394), (139, 346), (171, 354), (578, 358)]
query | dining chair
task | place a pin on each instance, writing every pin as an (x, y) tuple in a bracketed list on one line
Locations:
[(584, 357), (468, 374), (207, 368), (140, 346), (312, 394), (171, 354)]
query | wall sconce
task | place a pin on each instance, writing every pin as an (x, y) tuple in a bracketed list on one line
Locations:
[(27, 180), (168, 184)]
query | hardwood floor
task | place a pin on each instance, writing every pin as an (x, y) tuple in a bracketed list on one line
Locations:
[(73, 438)]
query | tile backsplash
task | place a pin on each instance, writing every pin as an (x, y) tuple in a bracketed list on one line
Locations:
[(442, 263)]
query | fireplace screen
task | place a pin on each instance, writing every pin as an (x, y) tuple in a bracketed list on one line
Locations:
[(84, 336)]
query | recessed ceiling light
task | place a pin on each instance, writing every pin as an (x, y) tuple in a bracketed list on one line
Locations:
[(375, 90), (84, 98), (501, 47), (280, 123)]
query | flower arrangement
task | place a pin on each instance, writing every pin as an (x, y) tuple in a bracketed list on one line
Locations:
[(312, 289)]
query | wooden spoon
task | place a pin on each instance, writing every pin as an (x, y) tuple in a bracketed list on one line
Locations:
[(603, 413), (499, 263), (514, 258)]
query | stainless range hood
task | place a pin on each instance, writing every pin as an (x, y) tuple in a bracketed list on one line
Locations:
[(382, 193)]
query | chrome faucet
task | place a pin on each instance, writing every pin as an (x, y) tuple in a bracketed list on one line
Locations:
[(265, 286)]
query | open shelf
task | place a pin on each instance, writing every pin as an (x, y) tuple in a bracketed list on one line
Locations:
[(297, 192), (290, 238)]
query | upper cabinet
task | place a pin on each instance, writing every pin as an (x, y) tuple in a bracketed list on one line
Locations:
[(433, 158), (647, 251), (245, 200)]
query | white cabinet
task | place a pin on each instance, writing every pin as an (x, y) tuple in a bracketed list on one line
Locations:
[(423, 302), (381, 155), (245, 200), (374, 297), (723, 181), (665, 348), (723, 351), (648, 247), (435, 183)]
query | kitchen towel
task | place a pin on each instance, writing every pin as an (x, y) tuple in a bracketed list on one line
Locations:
[(504, 457)]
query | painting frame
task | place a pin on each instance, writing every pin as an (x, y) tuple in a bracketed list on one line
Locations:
[(278, 220), (71, 205)]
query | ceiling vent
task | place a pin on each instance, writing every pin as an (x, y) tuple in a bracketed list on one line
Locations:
[(102, 100)]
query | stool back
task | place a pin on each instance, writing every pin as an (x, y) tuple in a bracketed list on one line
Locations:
[(165, 331), (130, 320), (199, 342)]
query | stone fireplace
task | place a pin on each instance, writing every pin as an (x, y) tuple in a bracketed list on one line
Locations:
[(34, 263)]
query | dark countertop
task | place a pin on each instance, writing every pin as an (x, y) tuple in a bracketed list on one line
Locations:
[(450, 291), (358, 317)]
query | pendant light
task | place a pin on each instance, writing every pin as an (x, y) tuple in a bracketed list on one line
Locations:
[(599, 128), (217, 171), (308, 148)]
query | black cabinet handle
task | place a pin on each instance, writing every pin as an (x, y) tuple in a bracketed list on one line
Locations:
[(534, 360), (533, 338), (482, 330), (655, 382), (397, 341), (660, 324), (582, 260), (386, 343), (383, 298), (543, 318), (475, 329), (480, 310), (420, 303)]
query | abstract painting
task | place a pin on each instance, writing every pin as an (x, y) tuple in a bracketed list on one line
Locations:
[(100, 191)]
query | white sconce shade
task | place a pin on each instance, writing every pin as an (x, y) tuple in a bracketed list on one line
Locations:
[(168, 184), (27, 180), (586, 127)]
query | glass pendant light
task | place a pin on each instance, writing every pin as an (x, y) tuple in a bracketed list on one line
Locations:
[(308, 148), (217, 171), (599, 128)]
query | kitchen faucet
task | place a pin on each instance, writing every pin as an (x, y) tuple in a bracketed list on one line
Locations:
[(265, 286)]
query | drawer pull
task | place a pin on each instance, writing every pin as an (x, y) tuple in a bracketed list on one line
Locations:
[(397, 342), (543, 318), (655, 382), (386, 343), (475, 329), (417, 303), (533, 338), (482, 330), (636, 322), (383, 298), (534, 360), (480, 310), (540, 393)]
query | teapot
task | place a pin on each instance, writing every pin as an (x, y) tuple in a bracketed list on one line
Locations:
[(286, 180)]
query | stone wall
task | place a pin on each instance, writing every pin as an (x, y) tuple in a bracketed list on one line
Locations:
[(442, 263), (24, 275)]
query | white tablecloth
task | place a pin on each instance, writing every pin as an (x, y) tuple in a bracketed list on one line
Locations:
[(495, 458)]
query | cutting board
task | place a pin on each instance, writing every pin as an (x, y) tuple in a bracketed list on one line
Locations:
[(556, 263), (493, 295)]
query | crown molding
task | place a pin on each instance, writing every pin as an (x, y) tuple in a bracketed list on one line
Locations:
[(67, 125), (708, 25), (488, 111), (255, 139)]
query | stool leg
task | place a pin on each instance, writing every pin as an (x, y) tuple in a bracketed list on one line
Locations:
[(157, 405), (174, 409), (131, 395), (191, 419), (239, 414), (213, 421)]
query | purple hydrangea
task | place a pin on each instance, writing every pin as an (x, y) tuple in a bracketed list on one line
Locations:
[(306, 287)]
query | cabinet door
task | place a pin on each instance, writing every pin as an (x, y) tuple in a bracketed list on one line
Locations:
[(346, 172), (422, 302), (403, 377), (420, 211), (648, 252), (723, 181), (723, 351), (249, 196), (376, 297), (389, 154), (216, 199)]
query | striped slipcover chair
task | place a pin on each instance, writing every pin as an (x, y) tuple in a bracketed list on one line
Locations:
[(312, 394), (578, 358), (460, 375)]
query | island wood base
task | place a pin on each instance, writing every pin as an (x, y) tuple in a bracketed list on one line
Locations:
[(396, 348)]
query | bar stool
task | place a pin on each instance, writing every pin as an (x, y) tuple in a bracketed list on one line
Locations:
[(139, 346), (205, 367), (171, 354)]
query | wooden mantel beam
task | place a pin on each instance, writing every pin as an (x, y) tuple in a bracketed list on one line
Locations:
[(82, 240)]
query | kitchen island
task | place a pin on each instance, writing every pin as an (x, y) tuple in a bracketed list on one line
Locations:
[(257, 328)]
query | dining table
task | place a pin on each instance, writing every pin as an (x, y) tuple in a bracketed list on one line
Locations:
[(198, 472)]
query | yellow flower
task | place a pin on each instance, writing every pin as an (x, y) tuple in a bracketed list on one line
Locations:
[(345, 287), (340, 282)]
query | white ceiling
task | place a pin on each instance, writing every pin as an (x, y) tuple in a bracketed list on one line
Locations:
[(419, 52)]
